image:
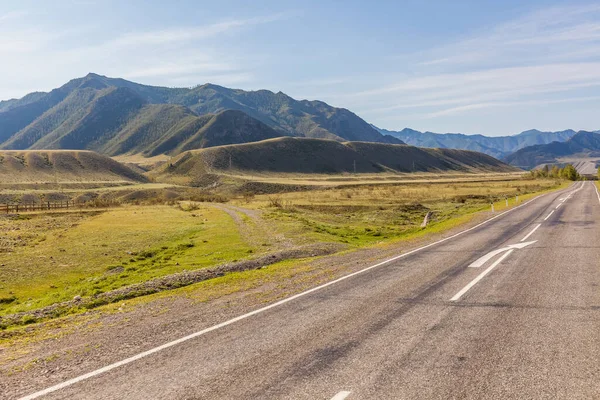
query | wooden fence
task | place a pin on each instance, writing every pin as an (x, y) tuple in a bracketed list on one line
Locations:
[(43, 206)]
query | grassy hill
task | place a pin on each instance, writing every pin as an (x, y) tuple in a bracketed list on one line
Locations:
[(316, 156), (497, 146), (115, 116), (62, 166), (583, 145), (313, 119), (116, 120), (286, 115)]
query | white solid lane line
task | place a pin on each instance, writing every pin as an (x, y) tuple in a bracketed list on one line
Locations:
[(488, 256), (341, 395), (597, 193), (165, 346), (531, 233), (464, 290)]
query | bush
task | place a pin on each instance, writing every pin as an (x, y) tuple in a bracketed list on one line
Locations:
[(184, 246), (7, 300), (275, 202), (28, 319), (248, 197)]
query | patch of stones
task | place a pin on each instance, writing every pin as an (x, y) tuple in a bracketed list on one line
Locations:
[(168, 282)]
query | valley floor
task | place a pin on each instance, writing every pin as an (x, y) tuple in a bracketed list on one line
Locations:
[(81, 256)]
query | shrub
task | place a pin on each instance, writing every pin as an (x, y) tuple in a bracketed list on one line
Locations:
[(275, 201), (7, 300), (28, 319), (184, 246)]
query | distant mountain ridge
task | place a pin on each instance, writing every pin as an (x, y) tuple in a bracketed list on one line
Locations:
[(114, 116), (498, 146), (584, 145)]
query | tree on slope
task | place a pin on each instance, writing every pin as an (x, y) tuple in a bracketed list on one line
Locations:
[(569, 172)]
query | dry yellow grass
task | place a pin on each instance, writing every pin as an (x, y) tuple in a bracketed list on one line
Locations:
[(62, 166), (371, 179)]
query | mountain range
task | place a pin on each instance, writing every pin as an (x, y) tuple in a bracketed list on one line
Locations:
[(496, 146), (580, 147), (116, 116)]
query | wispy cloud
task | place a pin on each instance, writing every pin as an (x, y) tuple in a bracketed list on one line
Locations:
[(175, 69), (166, 36), (13, 15), (486, 85), (563, 29), (551, 56), (478, 106), (177, 55)]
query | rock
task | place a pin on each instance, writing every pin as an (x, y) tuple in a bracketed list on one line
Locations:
[(426, 219), (77, 298)]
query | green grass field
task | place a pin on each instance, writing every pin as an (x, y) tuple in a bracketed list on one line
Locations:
[(51, 258)]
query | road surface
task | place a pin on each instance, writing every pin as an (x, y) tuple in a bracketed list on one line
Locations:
[(507, 310)]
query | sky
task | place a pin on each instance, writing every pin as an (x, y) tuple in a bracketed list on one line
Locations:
[(476, 66)]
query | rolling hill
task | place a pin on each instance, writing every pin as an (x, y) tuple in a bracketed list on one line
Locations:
[(582, 146), (317, 156), (115, 116), (61, 167), (498, 146)]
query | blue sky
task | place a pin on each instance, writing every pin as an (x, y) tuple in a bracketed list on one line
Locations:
[(491, 67)]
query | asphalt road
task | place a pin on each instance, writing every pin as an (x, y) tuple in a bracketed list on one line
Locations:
[(525, 324)]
